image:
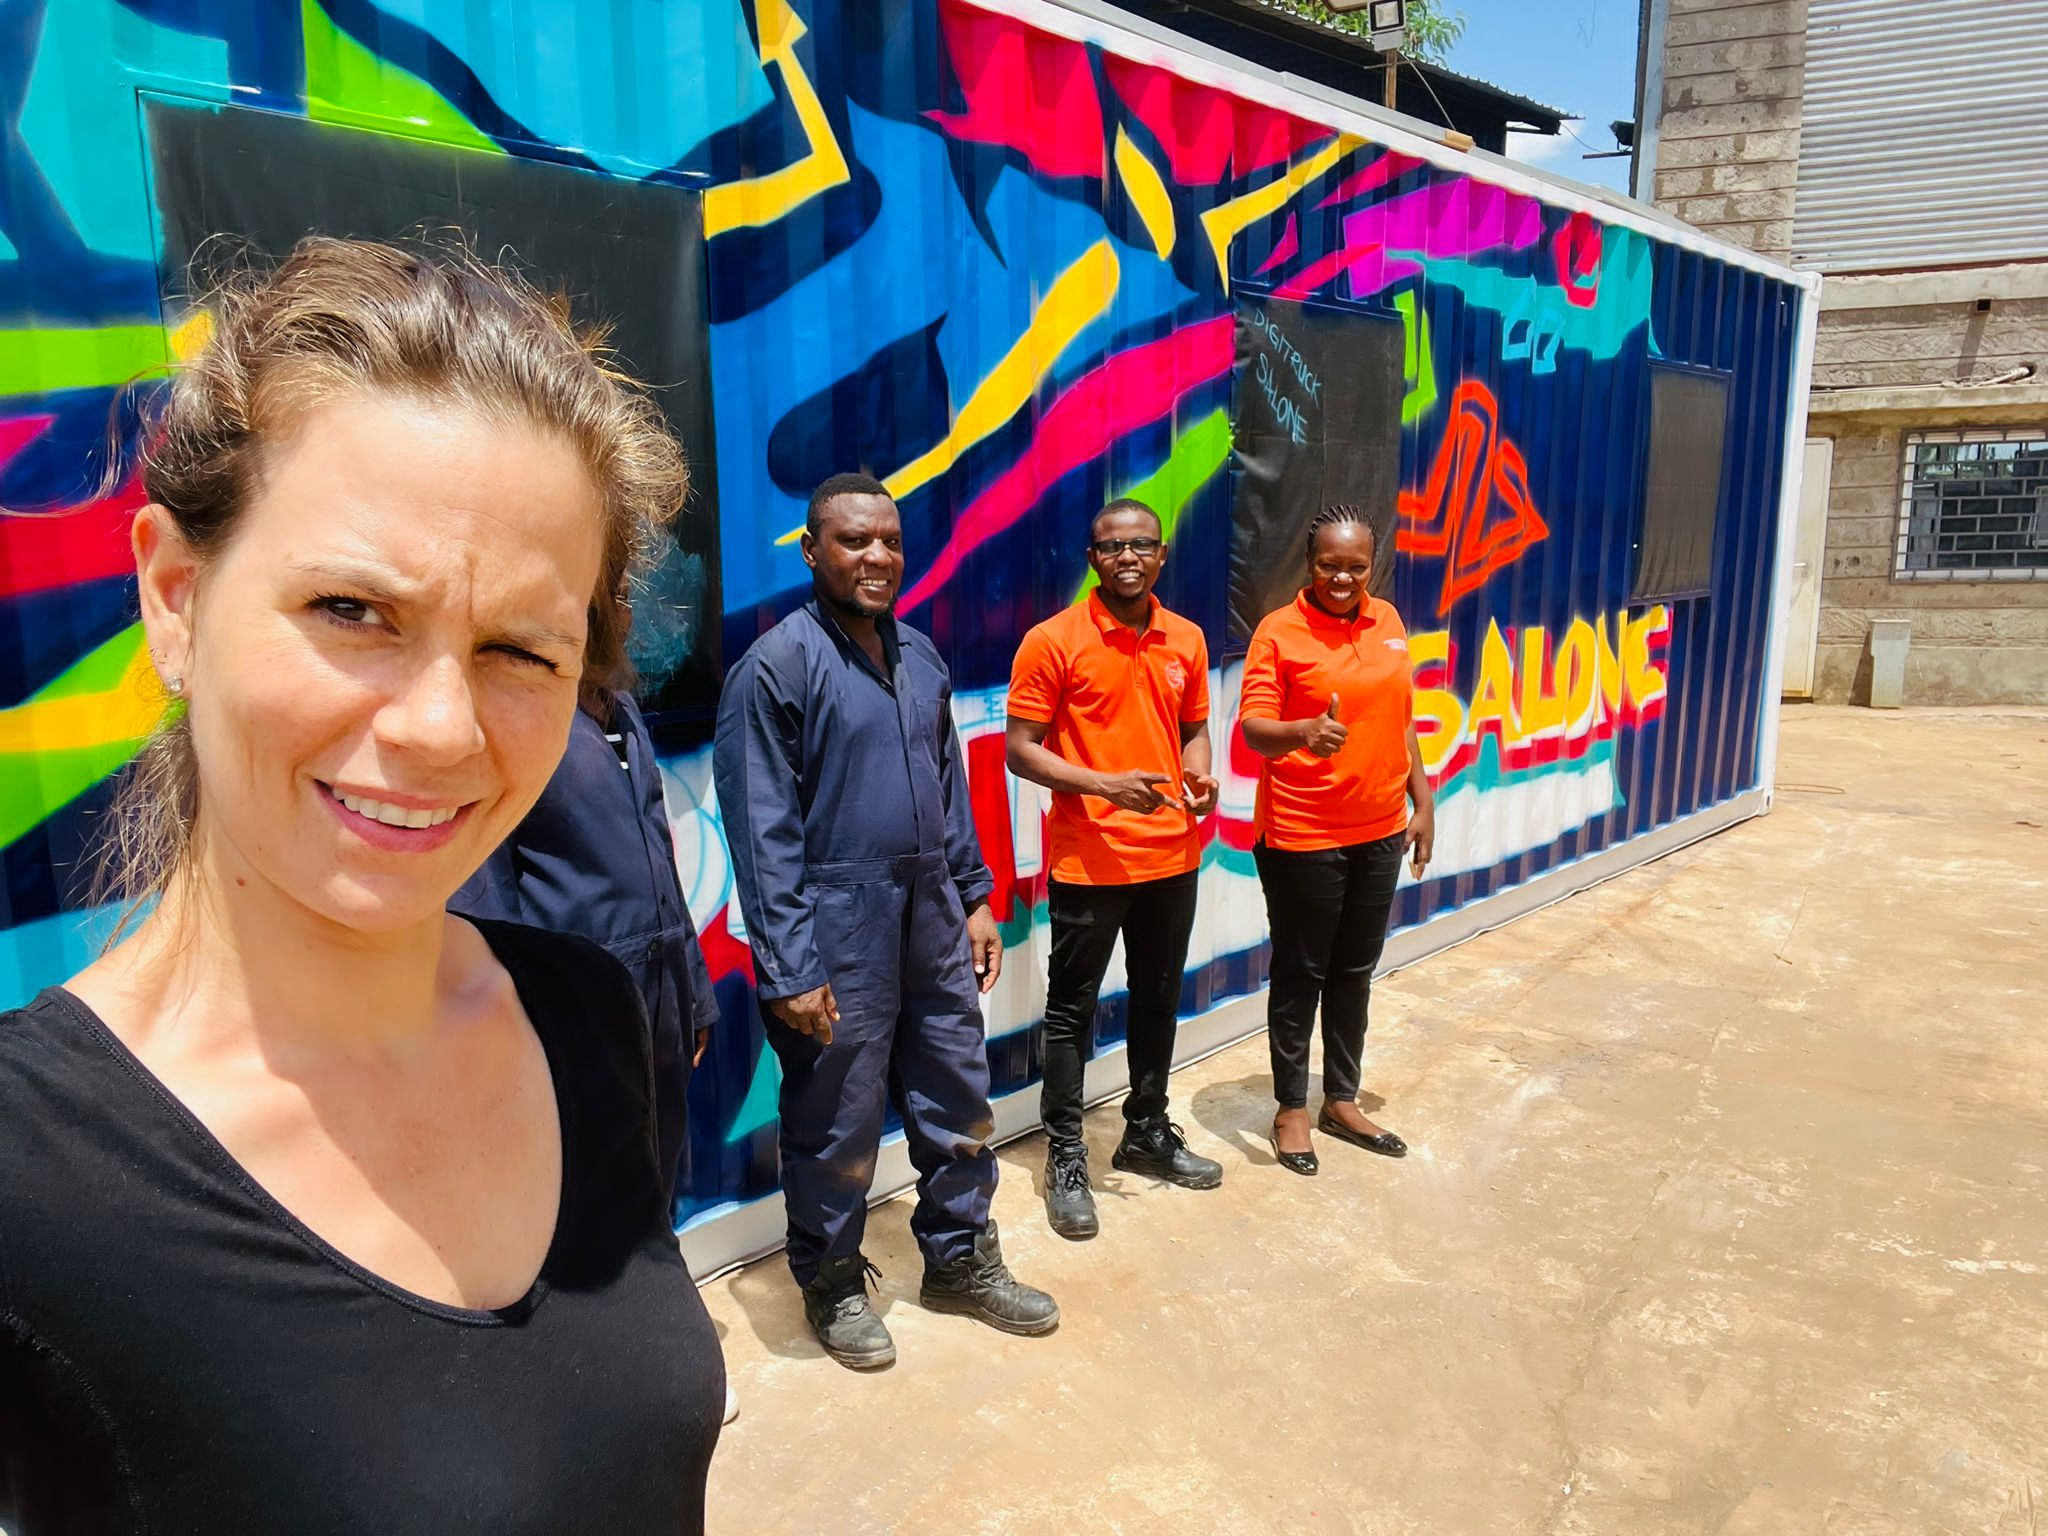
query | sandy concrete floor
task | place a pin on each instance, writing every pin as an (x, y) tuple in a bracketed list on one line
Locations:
[(1729, 1213)]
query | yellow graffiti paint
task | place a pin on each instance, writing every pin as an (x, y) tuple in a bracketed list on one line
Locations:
[(1147, 193), (1225, 222), (1078, 297), (1596, 671), (192, 334), (763, 199), (58, 720)]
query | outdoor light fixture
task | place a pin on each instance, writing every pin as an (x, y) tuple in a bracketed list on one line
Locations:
[(1388, 20)]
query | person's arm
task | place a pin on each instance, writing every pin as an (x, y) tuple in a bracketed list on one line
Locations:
[(1258, 709), (757, 764), (1038, 683), (964, 859), (1422, 823), (702, 996), (1033, 761), (1322, 734), (1196, 753)]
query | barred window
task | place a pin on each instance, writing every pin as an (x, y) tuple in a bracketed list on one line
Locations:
[(1974, 507)]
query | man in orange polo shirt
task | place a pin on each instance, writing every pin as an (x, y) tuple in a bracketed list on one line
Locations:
[(1109, 709)]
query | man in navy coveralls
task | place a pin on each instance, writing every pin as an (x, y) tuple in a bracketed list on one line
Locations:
[(845, 805)]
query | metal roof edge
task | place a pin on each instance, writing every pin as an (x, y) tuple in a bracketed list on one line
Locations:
[(1100, 22), (1352, 42)]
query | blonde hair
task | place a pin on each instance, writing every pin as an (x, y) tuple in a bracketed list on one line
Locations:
[(352, 318)]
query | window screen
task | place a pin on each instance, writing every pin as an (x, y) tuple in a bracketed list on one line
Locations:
[(1315, 418), (1974, 507), (627, 253), (1688, 421)]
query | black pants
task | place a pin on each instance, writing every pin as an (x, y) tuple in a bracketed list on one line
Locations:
[(1327, 911), (1155, 918)]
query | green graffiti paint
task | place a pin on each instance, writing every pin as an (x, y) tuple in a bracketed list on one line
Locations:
[(348, 84), (1197, 455), (42, 361), (1418, 366)]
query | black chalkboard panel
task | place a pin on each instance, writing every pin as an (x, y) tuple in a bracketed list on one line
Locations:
[(627, 254), (1315, 418)]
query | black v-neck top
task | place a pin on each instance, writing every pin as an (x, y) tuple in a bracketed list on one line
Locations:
[(178, 1353)]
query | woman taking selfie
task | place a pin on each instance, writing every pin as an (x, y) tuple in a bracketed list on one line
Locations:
[(1327, 701), (324, 1210)]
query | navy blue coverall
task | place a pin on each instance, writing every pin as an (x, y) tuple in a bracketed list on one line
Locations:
[(594, 857), (845, 804)]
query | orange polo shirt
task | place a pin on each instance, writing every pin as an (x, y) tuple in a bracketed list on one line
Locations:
[(1299, 656), (1115, 701)]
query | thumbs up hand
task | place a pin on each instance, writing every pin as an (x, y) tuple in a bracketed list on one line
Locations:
[(1325, 735)]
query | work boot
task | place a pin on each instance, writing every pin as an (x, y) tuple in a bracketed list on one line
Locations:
[(981, 1285), (1160, 1148), (836, 1306), (1069, 1207)]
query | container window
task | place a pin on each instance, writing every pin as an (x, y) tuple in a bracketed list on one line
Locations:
[(1973, 506), (1682, 493)]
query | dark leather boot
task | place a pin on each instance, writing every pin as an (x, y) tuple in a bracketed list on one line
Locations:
[(836, 1306), (1069, 1207), (981, 1285), (1160, 1148)]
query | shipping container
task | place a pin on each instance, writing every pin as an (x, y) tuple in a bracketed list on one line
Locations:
[(1016, 260)]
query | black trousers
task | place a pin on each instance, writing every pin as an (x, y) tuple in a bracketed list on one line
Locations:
[(1327, 911), (1155, 918)]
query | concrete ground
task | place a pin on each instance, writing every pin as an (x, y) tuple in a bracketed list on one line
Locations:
[(1728, 1213)]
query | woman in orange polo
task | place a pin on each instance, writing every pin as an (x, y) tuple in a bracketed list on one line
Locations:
[(1328, 702)]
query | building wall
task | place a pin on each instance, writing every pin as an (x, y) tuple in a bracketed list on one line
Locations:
[(1923, 344), (1885, 343), (1728, 134), (1972, 642), (1731, 96)]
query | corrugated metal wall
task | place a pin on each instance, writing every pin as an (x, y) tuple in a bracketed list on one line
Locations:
[(999, 267), (1923, 142)]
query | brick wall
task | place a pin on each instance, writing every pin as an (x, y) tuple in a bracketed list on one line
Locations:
[(1728, 131)]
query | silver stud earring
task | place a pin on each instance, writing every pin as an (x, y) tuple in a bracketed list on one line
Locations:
[(176, 686)]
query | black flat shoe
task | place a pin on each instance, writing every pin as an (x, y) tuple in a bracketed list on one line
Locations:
[(1386, 1143), (1303, 1163)]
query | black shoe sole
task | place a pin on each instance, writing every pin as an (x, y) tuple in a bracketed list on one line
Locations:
[(1074, 1231), (963, 1306), (1124, 1164), (1303, 1163), (880, 1360), (1387, 1144)]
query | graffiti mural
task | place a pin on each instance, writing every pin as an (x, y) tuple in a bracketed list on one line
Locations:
[(1000, 266)]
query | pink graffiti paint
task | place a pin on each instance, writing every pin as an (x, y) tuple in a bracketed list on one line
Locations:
[(1383, 170), (1024, 90), (1576, 250), (1448, 219), (1206, 134), (1130, 390), (1285, 251), (71, 544)]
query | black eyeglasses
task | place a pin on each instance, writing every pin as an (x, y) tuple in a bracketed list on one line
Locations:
[(1109, 549)]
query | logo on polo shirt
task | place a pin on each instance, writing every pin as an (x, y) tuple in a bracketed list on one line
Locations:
[(1397, 643), (1176, 675)]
